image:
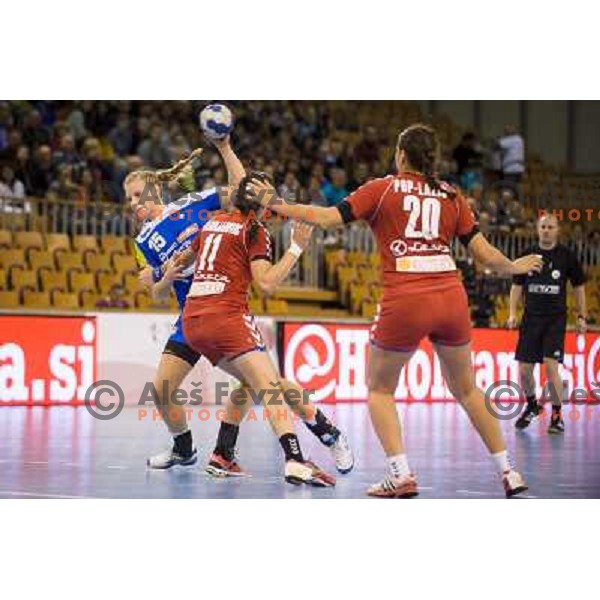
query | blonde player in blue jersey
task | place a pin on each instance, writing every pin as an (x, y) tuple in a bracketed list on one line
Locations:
[(166, 231)]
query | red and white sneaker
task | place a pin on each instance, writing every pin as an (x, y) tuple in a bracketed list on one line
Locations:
[(307, 472), (513, 483), (221, 467), (395, 487)]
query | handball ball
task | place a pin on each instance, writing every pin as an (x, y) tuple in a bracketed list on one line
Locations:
[(216, 121)]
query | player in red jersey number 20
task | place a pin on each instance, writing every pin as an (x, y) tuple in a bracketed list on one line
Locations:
[(414, 218)]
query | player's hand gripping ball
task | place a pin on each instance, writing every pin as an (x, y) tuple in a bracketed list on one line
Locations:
[(216, 121)]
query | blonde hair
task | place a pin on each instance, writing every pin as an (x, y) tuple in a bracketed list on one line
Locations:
[(174, 174)]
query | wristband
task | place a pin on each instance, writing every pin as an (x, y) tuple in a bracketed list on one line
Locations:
[(295, 250), (157, 274)]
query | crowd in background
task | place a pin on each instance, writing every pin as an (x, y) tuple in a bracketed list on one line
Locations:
[(82, 151)]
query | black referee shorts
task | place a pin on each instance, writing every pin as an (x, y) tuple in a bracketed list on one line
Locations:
[(541, 336)]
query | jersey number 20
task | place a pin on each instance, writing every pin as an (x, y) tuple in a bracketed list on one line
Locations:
[(429, 210), (209, 251)]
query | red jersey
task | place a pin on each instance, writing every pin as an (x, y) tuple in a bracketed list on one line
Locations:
[(222, 273), (414, 226)]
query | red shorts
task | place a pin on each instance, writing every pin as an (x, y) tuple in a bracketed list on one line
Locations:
[(406, 316), (222, 336)]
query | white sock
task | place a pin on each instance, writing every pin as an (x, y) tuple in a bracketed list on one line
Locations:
[(502, 461), (398, 465)]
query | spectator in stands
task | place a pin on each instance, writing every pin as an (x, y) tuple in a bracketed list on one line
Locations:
[(115, 299), (290, 188), (42, 171), (469, 161), (66, 154), (360, 175), (13, 142), (335, 190), (35, 133), (154, 150), (367, 149), (10, 186), (64, 188), (121, 136), (512, 147), (24, 168)]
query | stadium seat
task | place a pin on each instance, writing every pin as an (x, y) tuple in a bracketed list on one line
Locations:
[(69, 260), (29, 239), (65, 300), (113, 243), (5, 239), (97, 262), (124, 263), (36, 299), (105, 281), (57, 241), (13, 258), (358, 294), (256, 306), (143, 300), (131, 283), (88, 299), (52, 280), (81, 281), (277, 307), (84, 243), (3, 279), (9, 299), (369, 309), (41, 259), (24, 279)]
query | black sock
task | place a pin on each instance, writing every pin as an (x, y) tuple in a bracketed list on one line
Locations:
[(324, 429), (291, 447), (183, 443), (226, 440), (531, 402)]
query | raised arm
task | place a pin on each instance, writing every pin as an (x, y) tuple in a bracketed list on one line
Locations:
[(269, 276), (491, 258), (322, 216), (234, 166)]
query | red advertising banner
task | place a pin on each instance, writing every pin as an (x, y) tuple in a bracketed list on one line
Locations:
[(331, 359), (46, 360)]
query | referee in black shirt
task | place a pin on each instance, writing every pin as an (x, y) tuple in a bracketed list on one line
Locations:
[(542, 330)]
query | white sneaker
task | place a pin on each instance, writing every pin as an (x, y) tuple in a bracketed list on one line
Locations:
[(170, 458), (342, 454), (513, 483), (395, 487)]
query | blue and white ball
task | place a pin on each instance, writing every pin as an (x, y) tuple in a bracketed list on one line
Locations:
[(216, 121)]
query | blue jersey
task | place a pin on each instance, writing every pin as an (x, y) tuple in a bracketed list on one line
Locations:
[(173, 232)]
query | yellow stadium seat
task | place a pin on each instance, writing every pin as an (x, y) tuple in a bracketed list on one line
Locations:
[(5, 238), (277, 307), (358, 294), (57, 241), (97, 262), (124, 263), (69, 260), (143, 300), (9, 299), (13, 258), (105, 282), (83, 243), (369, 309), (256, 306), (29, 239), (131, 283), (65, 300), (81, 281), (25, 279), (113, 243), (41, 259), (3, 279), (52, 280), (36, 299)]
